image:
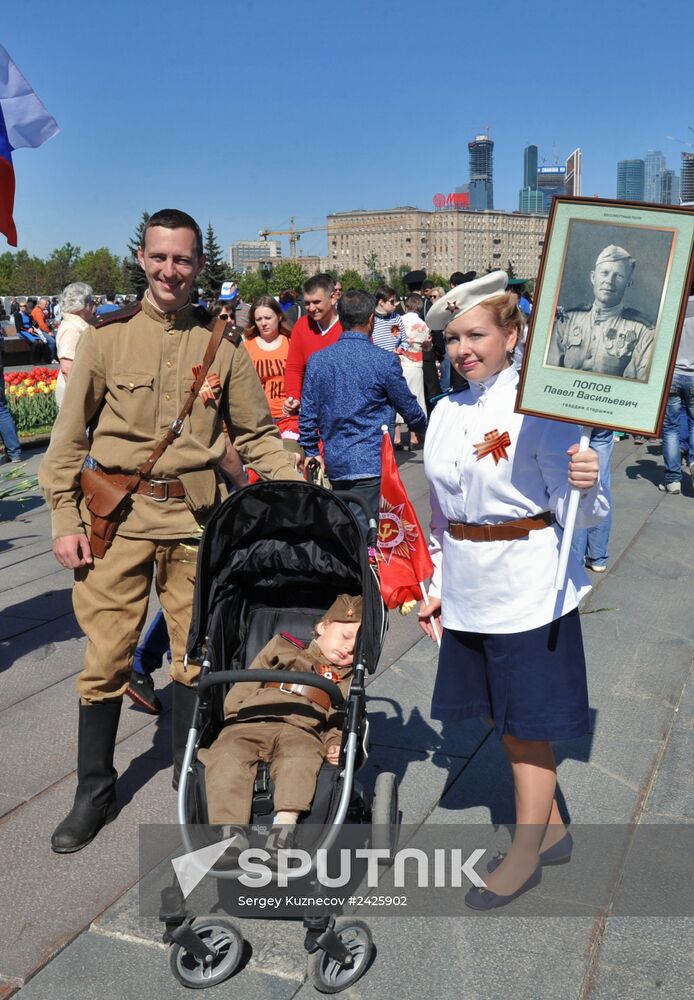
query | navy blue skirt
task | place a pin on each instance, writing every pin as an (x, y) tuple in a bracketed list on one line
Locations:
[(532, 684)]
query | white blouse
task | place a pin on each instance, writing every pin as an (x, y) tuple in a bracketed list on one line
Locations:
[(502, 586)]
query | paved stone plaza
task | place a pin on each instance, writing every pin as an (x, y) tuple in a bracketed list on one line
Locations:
[(69, 924)]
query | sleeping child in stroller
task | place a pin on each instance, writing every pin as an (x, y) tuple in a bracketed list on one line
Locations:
[(292, 726)]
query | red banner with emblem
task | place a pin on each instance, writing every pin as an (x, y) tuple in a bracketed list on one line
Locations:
[(403, 556)]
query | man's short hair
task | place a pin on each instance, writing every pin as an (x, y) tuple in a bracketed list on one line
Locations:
[(426, 285), (173, 218), (320, 283), (110, 296), (31, 303), (355, 308)]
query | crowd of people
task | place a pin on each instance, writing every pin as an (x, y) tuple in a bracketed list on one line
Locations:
[(317, 378)]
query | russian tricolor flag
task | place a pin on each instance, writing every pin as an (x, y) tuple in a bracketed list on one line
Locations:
[(23, 122)]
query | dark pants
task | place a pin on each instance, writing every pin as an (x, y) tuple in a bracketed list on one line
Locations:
[(369, 489)]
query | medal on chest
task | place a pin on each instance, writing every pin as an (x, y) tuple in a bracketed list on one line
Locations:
[(210, 388), (494, 444)]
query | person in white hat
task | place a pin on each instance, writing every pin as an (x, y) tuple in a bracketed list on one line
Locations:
[(512, 649), (606, 336)]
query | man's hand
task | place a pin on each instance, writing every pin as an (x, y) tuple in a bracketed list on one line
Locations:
[(73, 551), (333, 754), (584, 468), (290, 407)]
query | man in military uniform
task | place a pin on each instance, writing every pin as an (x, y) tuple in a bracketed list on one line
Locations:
[(605, 337), (128, 384)]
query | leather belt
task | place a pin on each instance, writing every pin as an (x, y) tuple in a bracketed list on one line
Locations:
[(316, 695), (156, 489), (504, 532)]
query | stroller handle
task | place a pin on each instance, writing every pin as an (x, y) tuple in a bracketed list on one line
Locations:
[(349, 497), (263, 676)]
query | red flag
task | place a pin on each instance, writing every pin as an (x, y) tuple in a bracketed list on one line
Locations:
[(403, 556)]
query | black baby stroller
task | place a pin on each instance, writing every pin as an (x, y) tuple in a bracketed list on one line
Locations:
[(273, 558)]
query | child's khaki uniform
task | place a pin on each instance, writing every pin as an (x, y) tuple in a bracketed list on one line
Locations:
[(290, 730)]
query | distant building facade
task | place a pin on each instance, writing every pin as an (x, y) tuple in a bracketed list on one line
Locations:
[(530, 201), (245, 254), (669, 193), (550, 182), (630, 180), (687, 179), (481, 188), (530, 167), (573, 179), (440, 241), (653, 167)]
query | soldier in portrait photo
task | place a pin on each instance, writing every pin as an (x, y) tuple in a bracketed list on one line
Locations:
[(606, 336)]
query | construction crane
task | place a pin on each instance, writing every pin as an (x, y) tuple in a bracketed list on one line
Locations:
[(293, 234), (683, 141)]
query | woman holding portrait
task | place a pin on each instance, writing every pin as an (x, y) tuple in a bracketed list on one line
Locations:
[(512, 648)]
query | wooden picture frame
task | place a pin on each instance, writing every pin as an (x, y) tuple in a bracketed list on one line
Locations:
[(608, 310)]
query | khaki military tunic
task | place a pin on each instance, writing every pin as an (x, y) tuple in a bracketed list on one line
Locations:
[(615, 342), (128, 383), (288, 730)]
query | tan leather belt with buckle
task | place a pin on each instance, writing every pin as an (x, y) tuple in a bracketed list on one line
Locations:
[(321, 698), (504, 532), (157, 489)]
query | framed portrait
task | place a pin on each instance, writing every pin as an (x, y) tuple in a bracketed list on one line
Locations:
[(609, 306)]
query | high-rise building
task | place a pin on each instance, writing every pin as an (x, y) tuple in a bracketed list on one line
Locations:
[(550, 182), (531, 202), (246, 253), (573, 178), (687, 179), (530, 167), (669, 193), (654, 165), (481, 152), (630, 180)]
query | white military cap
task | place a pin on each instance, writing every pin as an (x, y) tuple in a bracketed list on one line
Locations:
[(614, 253), (464, 297)]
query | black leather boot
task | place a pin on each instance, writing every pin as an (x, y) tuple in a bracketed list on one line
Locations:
[(183, 702), (95, 798)]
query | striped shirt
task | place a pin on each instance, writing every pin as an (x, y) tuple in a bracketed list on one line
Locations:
[(389, 332)]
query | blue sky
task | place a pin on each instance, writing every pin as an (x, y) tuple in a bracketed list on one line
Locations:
[(244, 113)]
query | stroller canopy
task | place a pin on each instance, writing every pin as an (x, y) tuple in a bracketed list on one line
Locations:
[(279, 541)]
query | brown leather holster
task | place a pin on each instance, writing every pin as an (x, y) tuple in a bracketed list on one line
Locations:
[(107, 497)]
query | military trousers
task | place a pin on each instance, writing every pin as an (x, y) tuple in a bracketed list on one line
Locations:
[(110, 599), (295, 757)]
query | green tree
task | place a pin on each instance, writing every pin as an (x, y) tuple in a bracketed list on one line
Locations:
[(438, 281), (60, 267), (395, 276), (29, 274), (136, 282), (101, 269), (371, 268), (288, 274), (215, 271), (251, 285), (7, 272), (352, 279)]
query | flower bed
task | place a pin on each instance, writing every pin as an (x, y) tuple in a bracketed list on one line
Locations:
[(31, 399)]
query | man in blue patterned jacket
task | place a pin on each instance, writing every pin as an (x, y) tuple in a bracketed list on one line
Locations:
[(351, 389)]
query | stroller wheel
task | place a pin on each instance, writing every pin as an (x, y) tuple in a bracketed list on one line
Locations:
[(384, 813), (326, 973), (220, 935)]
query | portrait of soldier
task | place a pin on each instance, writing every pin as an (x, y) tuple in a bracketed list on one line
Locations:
[(605, 337)]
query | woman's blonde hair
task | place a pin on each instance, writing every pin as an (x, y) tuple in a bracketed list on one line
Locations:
[(505, 311)]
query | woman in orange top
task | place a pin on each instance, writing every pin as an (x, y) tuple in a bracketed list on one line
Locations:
[(267, 341)]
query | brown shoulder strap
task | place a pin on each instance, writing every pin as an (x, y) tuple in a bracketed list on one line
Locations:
[(218, 331)]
